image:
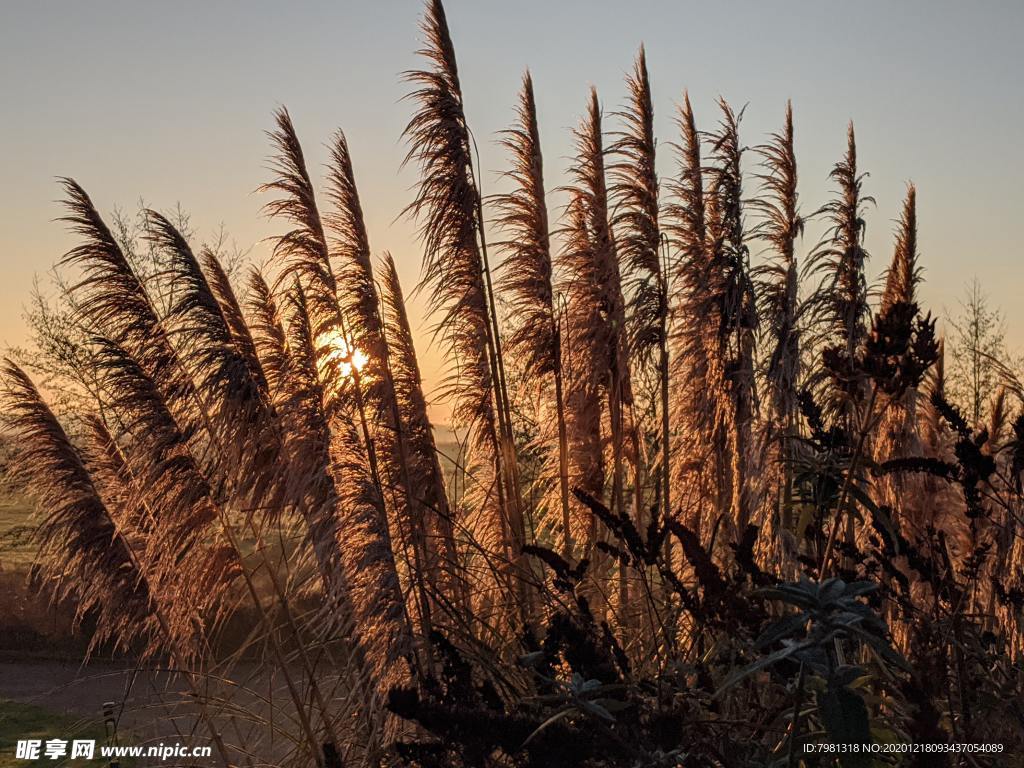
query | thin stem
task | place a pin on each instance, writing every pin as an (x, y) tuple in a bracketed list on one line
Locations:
[(844, 494), (794, 735)]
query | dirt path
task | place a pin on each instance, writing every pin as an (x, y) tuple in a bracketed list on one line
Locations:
[(153, 706), (79, 692)]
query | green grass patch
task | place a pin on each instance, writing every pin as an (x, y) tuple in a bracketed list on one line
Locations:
[(28, 721)]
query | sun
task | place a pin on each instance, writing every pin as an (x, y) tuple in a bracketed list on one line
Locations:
[(336, 354)]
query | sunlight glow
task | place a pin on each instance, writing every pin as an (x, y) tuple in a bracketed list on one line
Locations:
[(336, 354)]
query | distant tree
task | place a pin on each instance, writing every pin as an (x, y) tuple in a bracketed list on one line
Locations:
[(58, 352), (976, 352)]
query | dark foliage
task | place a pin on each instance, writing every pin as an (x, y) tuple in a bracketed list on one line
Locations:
[(776, 664)]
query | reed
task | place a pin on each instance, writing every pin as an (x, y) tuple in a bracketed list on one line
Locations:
[(457, 270), (780, 304), (527, 279), (708, 466)]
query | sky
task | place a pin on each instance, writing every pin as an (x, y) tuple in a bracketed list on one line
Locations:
[(168, 103)]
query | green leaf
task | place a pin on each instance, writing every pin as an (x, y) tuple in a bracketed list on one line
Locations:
[(847, 675), (586, 686), (762, 663), (789, 593), (881, 646), (787, 626), (831, 590), (550, 721), (846, 722), (596, 709), (613, 705)]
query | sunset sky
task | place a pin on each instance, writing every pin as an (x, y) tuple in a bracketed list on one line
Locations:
[(168, 103)]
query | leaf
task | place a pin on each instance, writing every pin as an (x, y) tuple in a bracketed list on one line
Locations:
[(596, 709), (550, 721), (791, 594), (882, 648), (815, 659), (787, 626), (858, 588), (762, 663), (846, 675), (886, 522), (613, 705), (846, 722), (858, 493), (579, 685), (831, 590)]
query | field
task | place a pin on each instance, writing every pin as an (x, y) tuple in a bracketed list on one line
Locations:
[(29, 626), (25, 721), (718, 495), (16, 548)]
